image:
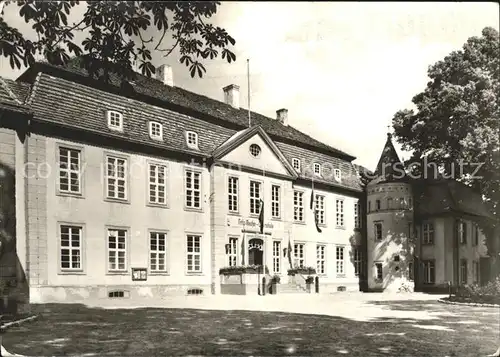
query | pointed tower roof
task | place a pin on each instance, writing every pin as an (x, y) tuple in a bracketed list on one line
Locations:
[(390, 167)]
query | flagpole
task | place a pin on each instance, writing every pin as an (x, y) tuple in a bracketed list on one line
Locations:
[(248, 82)]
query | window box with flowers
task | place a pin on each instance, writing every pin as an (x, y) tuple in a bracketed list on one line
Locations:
[(302, 270), (241, 280)]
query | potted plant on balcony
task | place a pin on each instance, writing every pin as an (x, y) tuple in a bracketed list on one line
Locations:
[(309, 283), (275, 280)]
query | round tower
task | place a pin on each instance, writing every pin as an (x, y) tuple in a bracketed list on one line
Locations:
[(390, 225)]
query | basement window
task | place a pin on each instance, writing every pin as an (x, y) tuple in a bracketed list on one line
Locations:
[(195, 291), (118, 294)]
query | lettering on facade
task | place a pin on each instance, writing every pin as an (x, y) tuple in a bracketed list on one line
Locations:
[(253, 223)]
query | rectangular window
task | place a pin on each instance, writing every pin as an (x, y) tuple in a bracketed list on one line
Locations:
[(192, 139), (429, 271), (463, 271), (117, 250), (70, 170), (116, 178), (358, 255), (275, 201), (411, 273), (296, 164), (475, 271), (337, 174), (462, 232), (320, 208), (389, 203), (71, 247), (115, 120), (232, 252), (378, 231), (276, 257), (298, 206), (193, 189), (158, 252), (317, 169), (428, 233), (357, 215), (157, 184), (254, 197), (340, 213), (379, 272), (232, 193), (475, 239), (193, 254), (155, 130), (320, 259), (339, 255), (298, 252)]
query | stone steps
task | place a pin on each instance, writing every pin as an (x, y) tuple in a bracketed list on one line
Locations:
[(291, 289)]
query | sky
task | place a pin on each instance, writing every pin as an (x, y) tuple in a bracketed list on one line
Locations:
[(341, 69)]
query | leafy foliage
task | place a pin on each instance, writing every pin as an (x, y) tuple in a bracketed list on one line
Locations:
[(242, 269), (489, 293), (458, 119), (109, 27), (302, 270), (310, 280)]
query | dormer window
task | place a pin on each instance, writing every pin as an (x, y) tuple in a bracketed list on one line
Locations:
[(155, 130), (317, 169), (337, 174), (296, 164), (115, 120), (192, 139)]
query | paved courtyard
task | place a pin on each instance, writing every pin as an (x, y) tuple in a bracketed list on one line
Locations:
[(339, 324)]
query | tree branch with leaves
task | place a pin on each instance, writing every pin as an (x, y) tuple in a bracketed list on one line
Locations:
[(458, 118), (109, 27)]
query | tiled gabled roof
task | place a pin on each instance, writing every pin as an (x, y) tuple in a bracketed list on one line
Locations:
[(179, 97), (440, 196), (73, 105)]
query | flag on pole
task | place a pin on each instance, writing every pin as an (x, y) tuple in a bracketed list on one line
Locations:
[(261, 216), (290, 251), (313, 207)]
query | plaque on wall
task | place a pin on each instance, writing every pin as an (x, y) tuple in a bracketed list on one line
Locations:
[(139, 274)]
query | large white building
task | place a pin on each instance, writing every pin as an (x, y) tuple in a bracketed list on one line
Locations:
[(146, 189)]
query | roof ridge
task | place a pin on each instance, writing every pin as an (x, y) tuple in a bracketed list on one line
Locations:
[(34, 87)]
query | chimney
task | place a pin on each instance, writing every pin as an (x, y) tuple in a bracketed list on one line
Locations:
[(165, 75), (282, 116), (232, 95)]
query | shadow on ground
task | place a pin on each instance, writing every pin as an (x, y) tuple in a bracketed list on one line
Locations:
[(77, 330)]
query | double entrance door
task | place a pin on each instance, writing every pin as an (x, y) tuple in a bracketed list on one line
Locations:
[(255, 251)]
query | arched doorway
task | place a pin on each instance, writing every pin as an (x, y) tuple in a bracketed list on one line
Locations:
[(256, 251)]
